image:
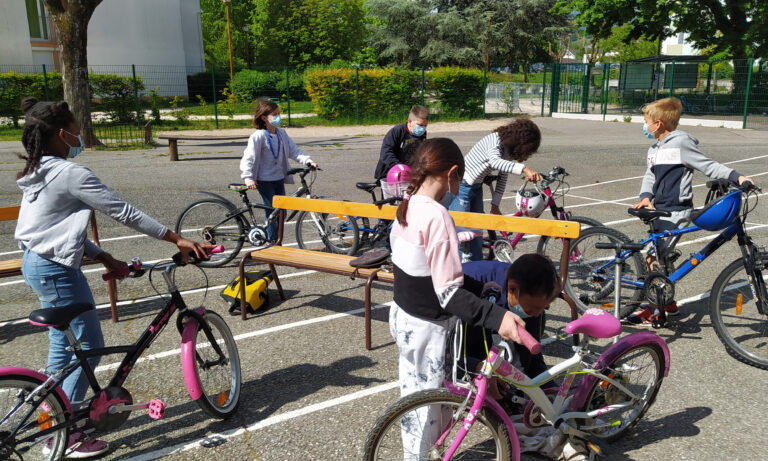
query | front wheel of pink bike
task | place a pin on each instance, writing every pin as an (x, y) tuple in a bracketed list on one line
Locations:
[(423, 425)]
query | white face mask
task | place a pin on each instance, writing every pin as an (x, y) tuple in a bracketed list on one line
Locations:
[(74, 151), (518, 309), (275, 120)]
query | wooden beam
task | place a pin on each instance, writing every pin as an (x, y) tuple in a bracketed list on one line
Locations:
[(9, 213)]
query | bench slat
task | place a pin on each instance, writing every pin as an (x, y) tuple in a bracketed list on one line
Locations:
[(316, 260), (202, 138), (539, 226), (9, 213)]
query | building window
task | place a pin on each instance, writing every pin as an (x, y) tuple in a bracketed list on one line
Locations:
[(38, 20)]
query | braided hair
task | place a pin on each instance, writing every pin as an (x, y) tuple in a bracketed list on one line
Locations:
[(519, 140), (433, 157), (42, 121)]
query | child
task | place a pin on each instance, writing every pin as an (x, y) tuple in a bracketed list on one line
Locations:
[(667, 182), (52, 232), (400, 143), (430, 287), (503, 150), (265, 161)]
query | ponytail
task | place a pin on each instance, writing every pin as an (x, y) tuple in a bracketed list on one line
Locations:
[(433, 157), (42, 121)]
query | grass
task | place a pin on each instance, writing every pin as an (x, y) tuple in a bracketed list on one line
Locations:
[(9, 133)]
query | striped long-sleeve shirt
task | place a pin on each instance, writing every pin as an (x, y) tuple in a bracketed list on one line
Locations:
[(483, 159)]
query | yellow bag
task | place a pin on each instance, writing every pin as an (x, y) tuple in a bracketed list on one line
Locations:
[(256, 294)]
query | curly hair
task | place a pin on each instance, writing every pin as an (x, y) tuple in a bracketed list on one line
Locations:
[(519, 139), (42, 121)]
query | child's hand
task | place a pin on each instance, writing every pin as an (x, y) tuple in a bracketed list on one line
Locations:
[(251, 185), (644, 203), (110, 263), (743, 179), (313, 164), (531, 175), (508, 327)]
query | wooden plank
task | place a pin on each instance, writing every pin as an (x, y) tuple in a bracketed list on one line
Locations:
[(315, 260), (10, 267), (538, 226), (9, 213), (202, 138)]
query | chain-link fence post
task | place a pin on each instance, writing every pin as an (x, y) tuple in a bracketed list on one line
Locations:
[(288, 93), (555, 90), (543, 89), (604, 89), (750, 63), (585, 88), (136, 95), (485, 86), (671, 78), (709, 79), (357, 94), (422, 86), (215, 99), (45, 84)]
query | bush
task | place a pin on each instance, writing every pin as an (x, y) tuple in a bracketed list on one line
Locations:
[(15, 87), (200, 84), (117, 95), (460, 91), (381, 91), (256, 84)]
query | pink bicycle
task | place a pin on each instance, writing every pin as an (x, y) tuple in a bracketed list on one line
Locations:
[(460, 421), (36, 416)]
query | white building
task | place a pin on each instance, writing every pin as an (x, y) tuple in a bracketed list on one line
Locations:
[(677, 45), (146, 33)]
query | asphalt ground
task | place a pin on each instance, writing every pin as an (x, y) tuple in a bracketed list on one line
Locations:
[(310, 389)]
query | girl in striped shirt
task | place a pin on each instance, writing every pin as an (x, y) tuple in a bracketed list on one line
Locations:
[(502, 151)]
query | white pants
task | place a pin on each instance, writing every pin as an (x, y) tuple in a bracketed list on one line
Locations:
[(421, 345)]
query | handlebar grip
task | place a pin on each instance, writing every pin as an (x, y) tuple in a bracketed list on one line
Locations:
[(122, 273), (178, 258), (527, 340), (387, 201)]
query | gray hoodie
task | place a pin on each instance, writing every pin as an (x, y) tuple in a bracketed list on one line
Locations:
[(56, 208), (671, 163)]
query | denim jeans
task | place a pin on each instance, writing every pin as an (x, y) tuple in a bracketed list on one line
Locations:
[(58, 286), (470, 198), (269, 189)]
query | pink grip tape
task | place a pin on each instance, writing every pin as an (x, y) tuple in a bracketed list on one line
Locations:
[(116, 274), (527, 340)]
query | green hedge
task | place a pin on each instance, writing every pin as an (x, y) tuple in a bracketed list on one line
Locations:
[(381, 91), (115, 95), (15, 87), (459, 90), (254, 84), (201, 84)]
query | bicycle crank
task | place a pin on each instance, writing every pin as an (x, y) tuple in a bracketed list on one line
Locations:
[(257, 236)]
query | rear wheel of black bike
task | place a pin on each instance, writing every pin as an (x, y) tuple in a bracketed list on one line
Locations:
[(591, 272), (14, 391), (321, 231), (427, 415), (552, 247), (208, 221), (741, 321)]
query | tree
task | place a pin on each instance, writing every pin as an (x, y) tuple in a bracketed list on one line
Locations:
[(71, 18), (398, 31), (621, 49), (596, 18)]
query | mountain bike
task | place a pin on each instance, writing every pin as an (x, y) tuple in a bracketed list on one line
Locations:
[(217, 221), (503, 248), (461, 421), (738, 302), (36, 416)]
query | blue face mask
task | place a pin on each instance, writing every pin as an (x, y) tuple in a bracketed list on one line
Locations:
[(74, 151), (419, 130), (275, 120), (518, 309), (647, 133)]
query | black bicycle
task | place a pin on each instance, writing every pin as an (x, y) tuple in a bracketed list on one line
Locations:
[(218, 221), (375, 234)]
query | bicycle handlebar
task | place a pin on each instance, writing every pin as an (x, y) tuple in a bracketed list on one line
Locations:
[(137, 269), (387, 201), (526, 339)]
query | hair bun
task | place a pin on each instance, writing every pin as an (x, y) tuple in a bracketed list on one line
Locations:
[(28, 103)]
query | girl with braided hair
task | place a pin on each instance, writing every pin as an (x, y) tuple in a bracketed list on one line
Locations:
[(504, 150), (431, 289), (52, 231)]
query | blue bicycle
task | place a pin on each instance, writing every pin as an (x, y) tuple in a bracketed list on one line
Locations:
[(738, 300)]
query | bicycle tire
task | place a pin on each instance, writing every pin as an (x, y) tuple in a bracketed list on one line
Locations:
[(552, 247), (742, 329), (384, 441), (220, 382), (206, 222), (641, 370), (342, 236), (11, 388), (590, 288)]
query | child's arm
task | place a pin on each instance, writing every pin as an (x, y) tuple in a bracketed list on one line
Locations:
[(646, 190), (249, 162), (297, 154), (692, 157)]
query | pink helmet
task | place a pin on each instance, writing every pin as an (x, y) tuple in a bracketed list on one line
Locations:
[(398, 179)]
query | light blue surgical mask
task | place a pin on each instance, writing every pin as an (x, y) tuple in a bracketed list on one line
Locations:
[(647, 133), (518, 309), (74, 151), (275, 120), (419, 130)]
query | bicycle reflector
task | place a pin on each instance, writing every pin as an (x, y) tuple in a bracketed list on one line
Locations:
[(719, 214)]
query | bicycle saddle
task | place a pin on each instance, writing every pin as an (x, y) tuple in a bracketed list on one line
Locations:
[(367, 186), (238, 187), (595, 323), (647, 214), (58, 317)]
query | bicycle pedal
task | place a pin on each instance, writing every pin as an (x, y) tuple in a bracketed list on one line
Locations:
[(156, 409), (658, 322)]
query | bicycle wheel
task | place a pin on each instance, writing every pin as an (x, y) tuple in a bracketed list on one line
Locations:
[(25, 441), (207, 221), (552, 247), (739, 323), (408, 428), (591, 273), (321, 231), (640, 370), (218, 375)]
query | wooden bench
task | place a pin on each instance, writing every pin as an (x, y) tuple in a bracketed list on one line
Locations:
[(12, 267), (173, 141), (278, 255)]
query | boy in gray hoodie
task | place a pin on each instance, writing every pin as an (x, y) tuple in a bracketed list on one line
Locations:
[(667, 182)]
